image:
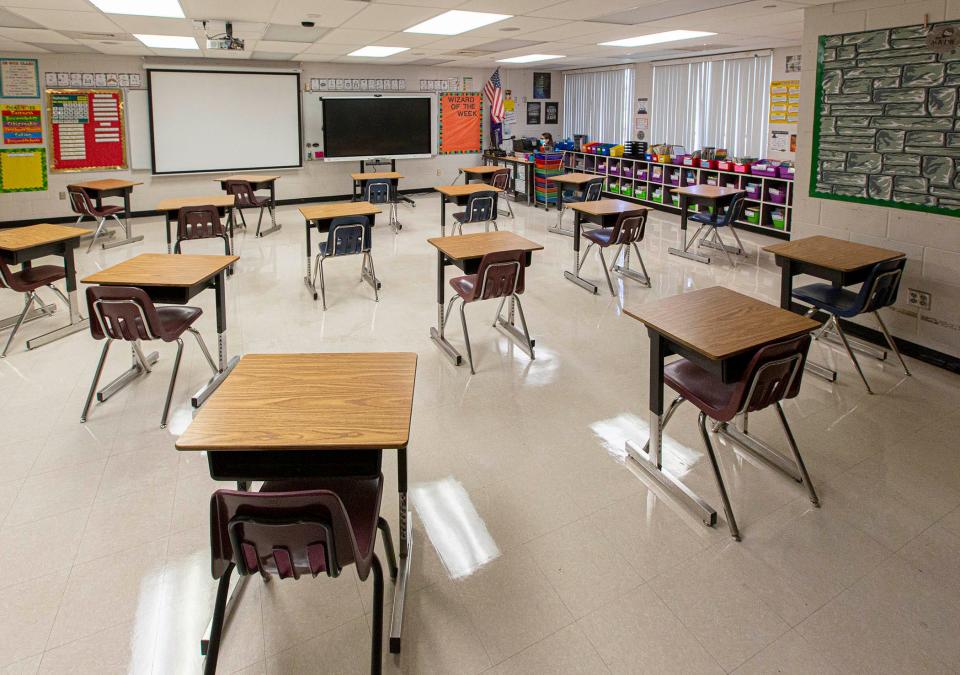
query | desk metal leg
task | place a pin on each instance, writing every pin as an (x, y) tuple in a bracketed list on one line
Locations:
[(443, 215), (77, 322), (224, 365), (685, 252), (271, 207), (574, 276), (437, 332), (406, 555), (307, 280), (128, 237), (169, 236), (558, 228)]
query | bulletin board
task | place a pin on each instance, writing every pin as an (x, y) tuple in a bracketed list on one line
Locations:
[(23, 170), (86, 129), (461, 119)]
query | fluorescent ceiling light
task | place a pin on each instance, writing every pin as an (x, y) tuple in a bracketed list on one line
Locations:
[(377, 52), (168, 41), (530, 58), (166, 8), (657, 38), (455, 22)]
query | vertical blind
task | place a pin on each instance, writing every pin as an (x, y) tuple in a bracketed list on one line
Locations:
[(721, 104), (598, 103)]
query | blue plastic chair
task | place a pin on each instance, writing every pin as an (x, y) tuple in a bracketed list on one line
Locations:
[(348, 235), (481, 208), (878, 290), (381, 192), (722, 218)]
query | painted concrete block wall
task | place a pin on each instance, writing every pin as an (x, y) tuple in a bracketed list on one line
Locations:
[(931, 242)]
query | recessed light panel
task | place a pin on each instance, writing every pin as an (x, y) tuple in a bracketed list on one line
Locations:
[(377, 52), (657, 38), (456, 21), (165, 8), (168, 41), (530, 58)]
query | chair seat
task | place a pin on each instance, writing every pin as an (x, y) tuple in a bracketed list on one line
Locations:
[(464, 286), (175, 319), (704, 390), (838, 301), (707, 218), (601, 236), (109, 210), (461, 217), (35, 277)]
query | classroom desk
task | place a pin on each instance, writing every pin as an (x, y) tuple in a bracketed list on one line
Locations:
[(603, 212), (23, 245), (458, 194), (171, 208), (517, 163), (259, 182), (703, 195), (465, 251), (480, 173), (322, 215), (174, 280), (842, 263), (572, 180), (112, 187), (719, 330), (297, 416), (361, 178)]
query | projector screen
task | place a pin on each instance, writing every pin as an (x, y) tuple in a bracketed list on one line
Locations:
[(357, 127), (204, 120)]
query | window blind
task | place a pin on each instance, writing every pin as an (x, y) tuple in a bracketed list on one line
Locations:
[(598, 103)]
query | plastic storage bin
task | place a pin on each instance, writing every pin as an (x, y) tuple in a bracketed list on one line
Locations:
[(752, 216), (640, 192), (674, 178), (777, 195), (657, 195), (778, 219), (753, 191)]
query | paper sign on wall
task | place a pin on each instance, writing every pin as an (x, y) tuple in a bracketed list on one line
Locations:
[(784, 101), (461, 119), (23, 170), (86, 129), (19, 78), (21, 124)]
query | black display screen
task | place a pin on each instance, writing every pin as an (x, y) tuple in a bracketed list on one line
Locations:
[(376, 127)]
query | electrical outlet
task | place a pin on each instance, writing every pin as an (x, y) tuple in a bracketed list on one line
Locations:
[(438, 172), (919, 299), (62, 195)]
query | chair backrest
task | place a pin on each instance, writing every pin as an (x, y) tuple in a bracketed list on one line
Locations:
[(122, 313), (629, 229), (734, 210), (80, 202), (500, 179), (773, 374), (881, 287), (500, 274), (592, 190), (349, 235), (482, 206), (242, 192), (289, 533), (7, 278), (377, 192), (199, 222)]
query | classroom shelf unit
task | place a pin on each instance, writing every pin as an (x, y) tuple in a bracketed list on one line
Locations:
[(769, 200)]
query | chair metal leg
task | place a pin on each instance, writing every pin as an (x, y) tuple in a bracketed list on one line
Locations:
[(616, 258), (242, 218), (101, 222), (893, 345), (853, 357), (643, 267), (523, 324), (384, 528), (216, 627), (603, 264), (496, 318), (316, 273), (583, 258), (173, 383), (259, 221), (466, 336), (23, 315), (737, 237), (373, 275), (323, 287), (723, 247), (731, 521), (796, 456), (376, 642), (666, 418), (446, 316), (96, 380), (203, 348)]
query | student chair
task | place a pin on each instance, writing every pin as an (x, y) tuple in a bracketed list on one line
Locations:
[(27, 281), (772, 375), (627, 231), (291, 529), (200, 222), (500, 275), (501, 180), (245, 198), (481, 208), (589, 192), (348, 235), (722, 218), (128, 314), (82, 205), (879, 290), (381, 192)]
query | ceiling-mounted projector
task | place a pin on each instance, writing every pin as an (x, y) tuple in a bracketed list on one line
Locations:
[(223, 41)]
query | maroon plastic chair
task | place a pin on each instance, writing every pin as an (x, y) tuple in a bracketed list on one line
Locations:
[(500, 275), (244, 197), (501, 180), (82, 205), (27, 281), (772, 375), (201, 222), (295, 528), (628, 230), (128, 314)]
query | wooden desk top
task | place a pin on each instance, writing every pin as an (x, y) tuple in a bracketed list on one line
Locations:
[(481, 170), (373, 175), (708, 191), (221, 200), (309, 402), (336, 210), (250, 178), (606, 207), (575, 178), (20, 238), (163, 269), (719, 323), (466, 246), (464, 190), (105, 184), (834, 254), (509, 158)]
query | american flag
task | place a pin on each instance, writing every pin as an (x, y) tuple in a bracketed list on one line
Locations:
[(493, 90)]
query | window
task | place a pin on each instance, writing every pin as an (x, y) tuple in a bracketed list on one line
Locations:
[(598, 103), (719, 103)]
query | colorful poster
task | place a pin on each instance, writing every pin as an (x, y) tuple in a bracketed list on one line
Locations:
[(551, 112), (86, 129), (784, 101), (19, 78), (23, 170), (21, 124), (541, 85), (461, 119), (533, 112)]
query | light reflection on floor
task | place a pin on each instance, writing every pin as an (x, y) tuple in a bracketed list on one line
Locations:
[(614, 432)]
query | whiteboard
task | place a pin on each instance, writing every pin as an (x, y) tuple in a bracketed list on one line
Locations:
[(203, 120), (138, 129)]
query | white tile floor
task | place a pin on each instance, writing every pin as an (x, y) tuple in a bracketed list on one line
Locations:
[(104, 563)]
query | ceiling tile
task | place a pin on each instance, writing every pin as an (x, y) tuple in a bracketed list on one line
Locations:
[(153, 25), (515, 7), (579, 10), (408, 39), (70, 5), (284, 33), (236, 10), (270, 56), (115, 47), (390, 17), (67, 49), (329, 13), (14, 46), (352, 36), (325, 49), (436, 4), (279, 47), (35, 35), (76, 21), (10, 20)]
